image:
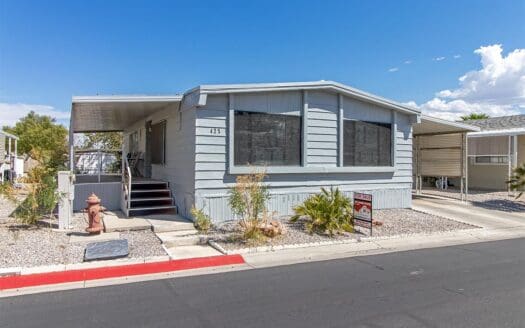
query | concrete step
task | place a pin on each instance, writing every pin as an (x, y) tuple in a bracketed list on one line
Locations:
[(185, 252), (148, 210), (169, 222), (173, 239)]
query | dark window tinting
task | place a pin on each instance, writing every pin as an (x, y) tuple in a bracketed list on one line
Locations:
[(267, 139), (367, 144), (158, 143)]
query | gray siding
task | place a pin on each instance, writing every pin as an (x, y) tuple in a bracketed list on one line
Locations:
[(391, 189), (180, 153), (108, 192), (322, 129)]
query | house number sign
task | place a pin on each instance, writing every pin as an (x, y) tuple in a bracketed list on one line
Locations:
[(215, 131)]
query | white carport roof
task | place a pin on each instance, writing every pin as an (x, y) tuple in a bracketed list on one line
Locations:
[(114, 113), (430, 125)]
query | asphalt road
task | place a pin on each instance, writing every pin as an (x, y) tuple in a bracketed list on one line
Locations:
[(477, 285)]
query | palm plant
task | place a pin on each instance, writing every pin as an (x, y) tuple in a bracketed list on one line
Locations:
[(327, 212), (517, 180)]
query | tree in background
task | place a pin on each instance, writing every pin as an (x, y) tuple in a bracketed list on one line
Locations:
[(41, 138), (101, 140), (474, 116)]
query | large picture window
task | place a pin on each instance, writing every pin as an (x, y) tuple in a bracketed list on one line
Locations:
[(367, 143), (158, 143), (267, 139)]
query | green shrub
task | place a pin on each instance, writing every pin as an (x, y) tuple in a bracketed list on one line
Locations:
[(327, 212), (247, 200), (202, 222)]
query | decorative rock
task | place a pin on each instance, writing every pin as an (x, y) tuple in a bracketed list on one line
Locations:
[(106, 250)]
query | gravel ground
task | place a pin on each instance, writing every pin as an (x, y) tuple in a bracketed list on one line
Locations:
[(395, 222), (498, 200), (27, 246)]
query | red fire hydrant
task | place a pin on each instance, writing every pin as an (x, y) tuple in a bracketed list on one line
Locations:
[(94, 210)]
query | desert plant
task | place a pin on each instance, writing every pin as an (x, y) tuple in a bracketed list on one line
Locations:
[(7, 191), (247, 200), (42, 197), (326, 212), (517, 180), (202, 222)]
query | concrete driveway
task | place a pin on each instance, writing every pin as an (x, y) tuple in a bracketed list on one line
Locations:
[(468, 213)]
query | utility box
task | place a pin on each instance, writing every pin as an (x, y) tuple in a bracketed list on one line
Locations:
[(66, 189)]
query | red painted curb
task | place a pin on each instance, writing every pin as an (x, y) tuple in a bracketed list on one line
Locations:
[(60, 277)]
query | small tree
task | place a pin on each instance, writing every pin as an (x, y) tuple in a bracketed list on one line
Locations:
[(474, 116), (247, 200), (517, 181)]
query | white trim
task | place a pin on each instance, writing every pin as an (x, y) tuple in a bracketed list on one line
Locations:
[(312, 169), (315, 85), (304, 128), (494, 133), (462, 127), (119, 99), (9, 135)]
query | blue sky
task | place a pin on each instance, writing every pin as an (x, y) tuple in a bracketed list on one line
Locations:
[(51, 50)]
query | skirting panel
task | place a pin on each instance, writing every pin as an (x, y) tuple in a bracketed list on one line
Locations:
[(216, 206), (109, 194)]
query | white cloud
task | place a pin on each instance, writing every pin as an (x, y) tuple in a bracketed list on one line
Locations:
[(457, 56), (408, 62), (439, 58), (393, 69), (10, 113), (497, 89)]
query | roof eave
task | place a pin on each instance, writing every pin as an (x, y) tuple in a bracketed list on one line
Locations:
[(320, 85), (120, 99)]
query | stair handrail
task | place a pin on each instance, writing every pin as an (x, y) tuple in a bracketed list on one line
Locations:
[(126, 181)]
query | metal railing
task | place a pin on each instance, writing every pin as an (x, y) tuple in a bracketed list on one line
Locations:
[(96, 165), (126, 182)]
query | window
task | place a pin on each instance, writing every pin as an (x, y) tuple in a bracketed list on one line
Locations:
[(133, 142), (267, 139), (158, 143), (495, 160), (367, 143)]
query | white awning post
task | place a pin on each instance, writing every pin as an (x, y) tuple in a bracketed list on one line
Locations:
[(99, 157), (65, 203), (466, 167), (72, 143), (509, 160)]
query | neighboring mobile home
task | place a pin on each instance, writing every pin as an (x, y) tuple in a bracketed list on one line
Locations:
[(495, 151), (305, 135), (10, 165)]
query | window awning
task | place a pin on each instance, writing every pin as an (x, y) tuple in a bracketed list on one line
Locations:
[(114, 113)]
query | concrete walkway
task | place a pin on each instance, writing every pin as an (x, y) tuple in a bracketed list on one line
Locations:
[(468, 213)]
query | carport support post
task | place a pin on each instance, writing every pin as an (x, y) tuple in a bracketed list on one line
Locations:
[(466, 167), (463, 157)]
